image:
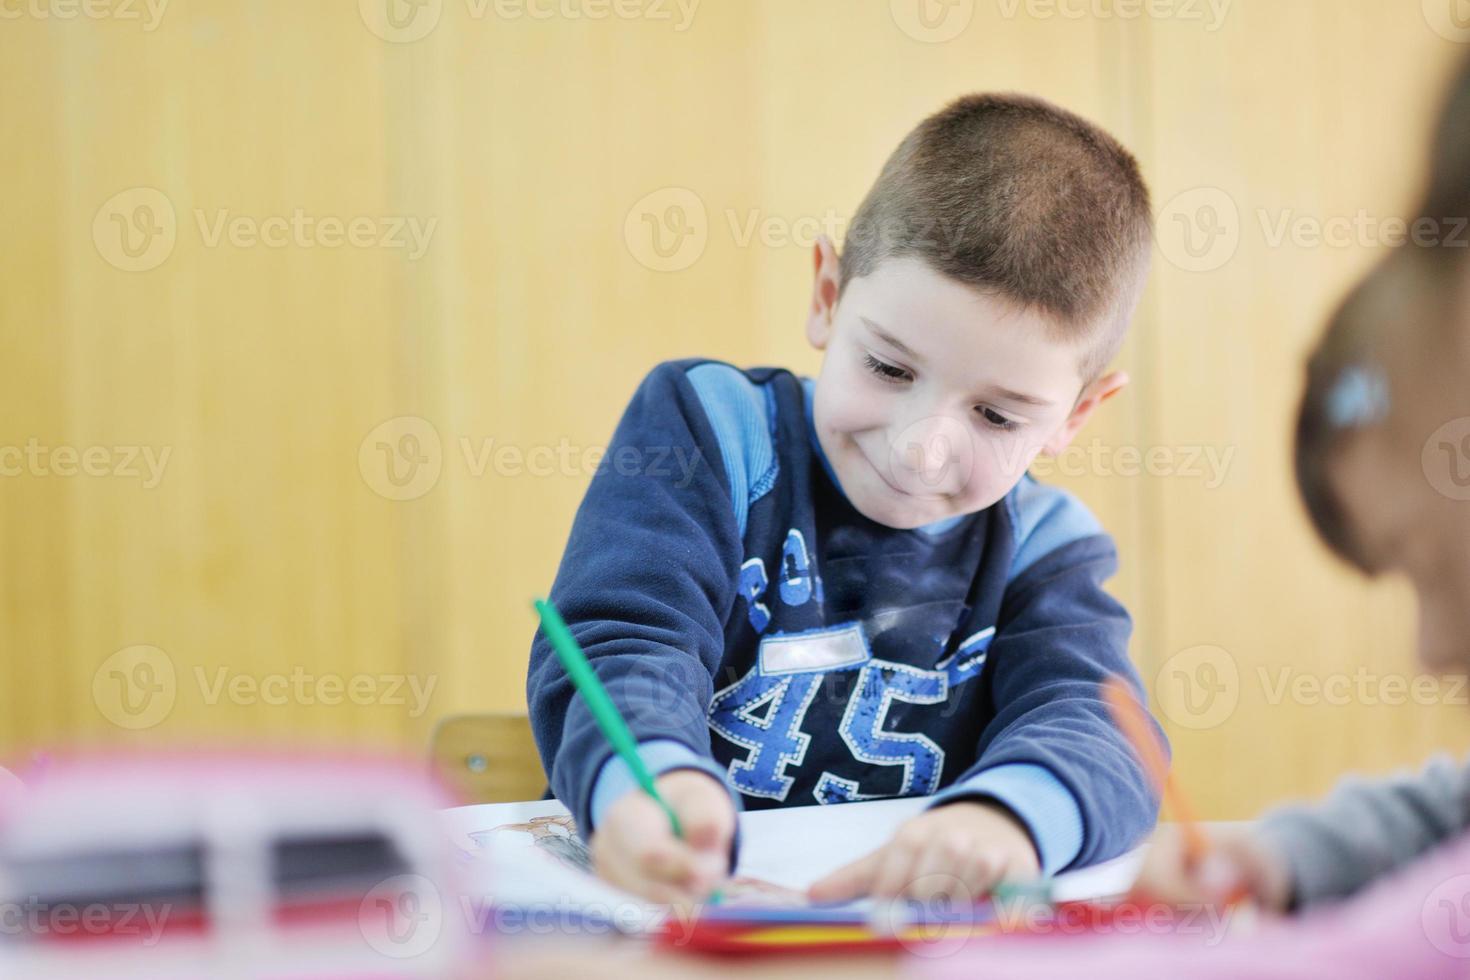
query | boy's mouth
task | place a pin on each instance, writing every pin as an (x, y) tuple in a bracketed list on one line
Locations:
[(915, 492), (887, 482)]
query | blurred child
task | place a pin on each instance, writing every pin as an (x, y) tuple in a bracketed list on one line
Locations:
[(806, 591), (1382, 481)]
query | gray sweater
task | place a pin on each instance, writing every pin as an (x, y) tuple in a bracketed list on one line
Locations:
[(1367, 828)]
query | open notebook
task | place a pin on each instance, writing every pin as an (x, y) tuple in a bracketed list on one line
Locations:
[(528, 855)]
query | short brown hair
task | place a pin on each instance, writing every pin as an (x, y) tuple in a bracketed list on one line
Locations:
[(1013, 194)]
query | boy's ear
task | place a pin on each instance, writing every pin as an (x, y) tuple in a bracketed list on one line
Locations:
[(824, 293), (1093, 395)]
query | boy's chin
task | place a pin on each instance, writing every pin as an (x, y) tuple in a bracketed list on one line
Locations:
[(891, 512)]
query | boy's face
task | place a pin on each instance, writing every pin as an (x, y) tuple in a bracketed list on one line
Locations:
[(933, 397)]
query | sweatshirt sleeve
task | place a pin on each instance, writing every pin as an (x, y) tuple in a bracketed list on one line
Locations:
[(1367, 828), (645, 585), (1051, 754)]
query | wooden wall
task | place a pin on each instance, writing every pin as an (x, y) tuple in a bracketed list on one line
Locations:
[(272, 325)]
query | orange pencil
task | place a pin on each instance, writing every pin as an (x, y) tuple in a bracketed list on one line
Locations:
[(1128, 715)]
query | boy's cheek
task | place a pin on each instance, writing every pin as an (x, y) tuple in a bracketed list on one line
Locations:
[(1004, 459), (998, 467), (845, 408)]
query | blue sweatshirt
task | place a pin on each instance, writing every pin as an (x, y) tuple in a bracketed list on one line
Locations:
[(749, 622)]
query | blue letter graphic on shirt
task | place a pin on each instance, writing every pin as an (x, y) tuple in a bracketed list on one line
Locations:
[(752, 586), (878, 686), (796, 570), (788, 672)]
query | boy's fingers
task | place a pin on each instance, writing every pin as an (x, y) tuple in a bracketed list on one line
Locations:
[(1164, 877), (980, 873), (1219, 877), (940, 869), (1261, 874), (847, 882), (706, 815), (710, 868), (666, 894), (670, 862), (895, 872), (624, 870), (1236, 868), (635, 849)]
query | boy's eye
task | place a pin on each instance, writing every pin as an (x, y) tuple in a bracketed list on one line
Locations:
[(995, 419), (884, 370)]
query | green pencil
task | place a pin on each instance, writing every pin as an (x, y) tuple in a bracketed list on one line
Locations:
[(574, 661), (603, 710)]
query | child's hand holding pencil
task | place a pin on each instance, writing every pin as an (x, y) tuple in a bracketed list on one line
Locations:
[(670, 842), (1237, 866), (1184, 866), (635, 847)]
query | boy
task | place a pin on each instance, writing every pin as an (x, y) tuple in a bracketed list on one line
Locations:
[(855, 592)]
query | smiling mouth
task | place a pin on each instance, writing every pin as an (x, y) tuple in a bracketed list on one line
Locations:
[(889, 483), (906, 494)]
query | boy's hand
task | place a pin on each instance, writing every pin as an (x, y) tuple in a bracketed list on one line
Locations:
[(1237, 866), (635, 849), (959, 850)]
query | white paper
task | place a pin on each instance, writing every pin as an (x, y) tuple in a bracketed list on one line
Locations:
[(529, 854)]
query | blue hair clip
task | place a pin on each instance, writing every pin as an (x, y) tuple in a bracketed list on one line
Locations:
[(1359, 397)]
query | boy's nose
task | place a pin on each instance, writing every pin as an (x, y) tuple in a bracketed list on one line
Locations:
[(932, 457)]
